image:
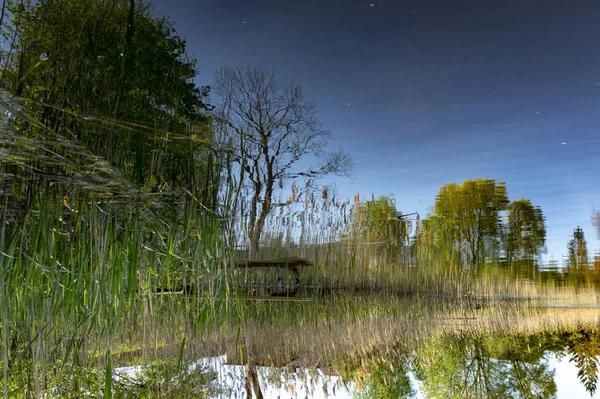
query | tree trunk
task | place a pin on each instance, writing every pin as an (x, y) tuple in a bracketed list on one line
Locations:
[(264, 212), (252, 381), (253, 231)]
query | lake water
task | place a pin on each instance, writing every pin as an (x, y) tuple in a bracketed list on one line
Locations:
[(316, 198)]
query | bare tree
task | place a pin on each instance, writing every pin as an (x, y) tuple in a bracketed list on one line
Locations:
[(270, 129)]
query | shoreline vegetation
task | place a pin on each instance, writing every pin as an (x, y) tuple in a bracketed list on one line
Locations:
[(121, 186)]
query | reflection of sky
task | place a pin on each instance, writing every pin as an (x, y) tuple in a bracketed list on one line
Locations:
[(568, 386), (424, 93), (565, 376), (300, 385)]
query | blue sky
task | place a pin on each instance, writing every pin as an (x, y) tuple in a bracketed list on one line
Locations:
[(425, 93)]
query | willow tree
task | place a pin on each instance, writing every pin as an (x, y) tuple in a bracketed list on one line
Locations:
[(466, 217), (274, 133)]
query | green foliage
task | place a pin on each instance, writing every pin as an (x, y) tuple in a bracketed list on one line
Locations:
[(377, 220), (468, 367), (155, 380), (168, 379), (73, 383), (387, 379), (76, 271), (526, 232), (578, 259), (377, 377), (112, 76), (104, 58), (468, 224), (466, 217), (502, 366), (583, 348), (587, 361), (107, 111)]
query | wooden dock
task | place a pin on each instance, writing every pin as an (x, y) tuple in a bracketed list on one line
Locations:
[(282, 262), (290, 264), (276, 298)]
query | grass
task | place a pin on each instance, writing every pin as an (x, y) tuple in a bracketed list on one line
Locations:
[(82, 256)]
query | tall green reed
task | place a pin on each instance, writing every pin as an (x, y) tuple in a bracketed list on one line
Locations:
[(84, 252)]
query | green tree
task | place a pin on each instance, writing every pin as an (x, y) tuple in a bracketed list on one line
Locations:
[(578, 260), (377, 220), (525, 231), (113, 68), (466, 217), (387, 379), (468, 367), (523, 366)]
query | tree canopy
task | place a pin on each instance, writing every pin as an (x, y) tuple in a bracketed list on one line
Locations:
[(478, 367), (578, 259), (467, 216), (475, 220), (112, 66), (525, 233), (377, 220)]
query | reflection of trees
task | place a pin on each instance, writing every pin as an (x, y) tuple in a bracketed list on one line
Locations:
[(379, 377), (526, 233), (578, 253), (271, 128), (579, 268), (460, 367), (586, 358), (377, 220), (527, 380), (159, 379), (251, 382), (466, 217), (583, 348), (387, 380), (474, 220)]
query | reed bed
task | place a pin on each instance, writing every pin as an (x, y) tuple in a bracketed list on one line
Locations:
[(83, 250)]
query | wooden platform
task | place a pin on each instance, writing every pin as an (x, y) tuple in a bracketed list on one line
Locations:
[(290, 264), (282, 262), (275, 298)]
